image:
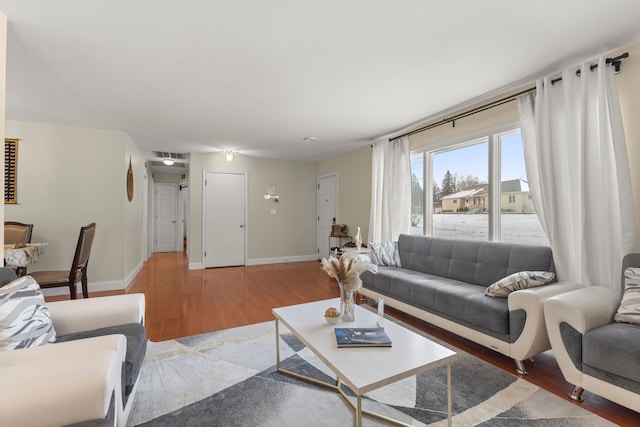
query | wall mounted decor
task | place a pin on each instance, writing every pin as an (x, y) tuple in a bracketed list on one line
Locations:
[(130, 181), (10, 171)]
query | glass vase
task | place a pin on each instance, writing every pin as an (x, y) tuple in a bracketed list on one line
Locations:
[(347, 304)]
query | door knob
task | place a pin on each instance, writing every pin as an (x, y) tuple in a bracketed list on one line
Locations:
[(241, 225)]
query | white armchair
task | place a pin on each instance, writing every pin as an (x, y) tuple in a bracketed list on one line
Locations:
[(594, 352), (79, 378)]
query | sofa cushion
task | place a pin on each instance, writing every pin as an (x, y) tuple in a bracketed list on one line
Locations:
[(467, 303), (613, 348), (24, 318), (520, 280), (385, 253), (136, 347), (629, 309), (475, 262)]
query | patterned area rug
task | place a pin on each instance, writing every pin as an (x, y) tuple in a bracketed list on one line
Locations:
[(228, 378)]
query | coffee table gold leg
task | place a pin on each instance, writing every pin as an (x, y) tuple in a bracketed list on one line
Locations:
[(359, 412), (277, 346), (449, 394)]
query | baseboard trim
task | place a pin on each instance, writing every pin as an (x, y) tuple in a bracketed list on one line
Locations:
[(111, 285), (262, 261), (282, 260)]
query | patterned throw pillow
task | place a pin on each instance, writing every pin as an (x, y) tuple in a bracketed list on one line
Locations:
[(24, 318), (520, 280), (385, 254), (629, 310)]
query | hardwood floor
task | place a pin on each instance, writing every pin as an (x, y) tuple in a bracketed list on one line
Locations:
[(182, 302)]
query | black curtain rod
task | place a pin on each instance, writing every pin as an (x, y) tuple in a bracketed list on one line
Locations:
[(471, 112), (613, 61)]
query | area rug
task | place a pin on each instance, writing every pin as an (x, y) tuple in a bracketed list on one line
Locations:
[(228, 378)]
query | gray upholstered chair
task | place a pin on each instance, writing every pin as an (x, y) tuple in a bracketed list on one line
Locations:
[(594, 352)]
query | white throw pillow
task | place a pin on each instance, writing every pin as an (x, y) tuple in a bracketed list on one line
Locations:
[(24, 319), (629, 310), (520, 280), (385, 254)]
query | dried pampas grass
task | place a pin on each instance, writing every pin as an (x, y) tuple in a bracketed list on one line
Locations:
[(348, 268)]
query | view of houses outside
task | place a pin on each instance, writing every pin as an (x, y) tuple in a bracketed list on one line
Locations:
[(461, 193)]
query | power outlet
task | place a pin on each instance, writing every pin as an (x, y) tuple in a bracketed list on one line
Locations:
[(273, 212)]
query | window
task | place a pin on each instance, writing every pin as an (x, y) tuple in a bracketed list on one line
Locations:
[(477, 189)]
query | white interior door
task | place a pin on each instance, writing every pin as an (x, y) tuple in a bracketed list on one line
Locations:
[(327, 211), (166, 217), (224, 219)]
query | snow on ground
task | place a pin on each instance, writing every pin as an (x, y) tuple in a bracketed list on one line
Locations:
[(516, 228)]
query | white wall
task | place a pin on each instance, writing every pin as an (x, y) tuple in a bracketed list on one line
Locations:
[(290, 234), (69, 177)]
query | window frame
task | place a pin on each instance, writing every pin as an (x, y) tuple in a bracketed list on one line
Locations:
[(493, 138)]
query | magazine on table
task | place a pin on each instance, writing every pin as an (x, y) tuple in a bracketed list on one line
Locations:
[(362, 337)]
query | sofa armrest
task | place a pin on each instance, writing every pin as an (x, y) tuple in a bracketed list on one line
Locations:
[(78, 315), (534, 338), (583, 310), (60, 390)]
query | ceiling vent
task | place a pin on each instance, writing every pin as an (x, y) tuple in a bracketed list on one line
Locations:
[(163, 154)]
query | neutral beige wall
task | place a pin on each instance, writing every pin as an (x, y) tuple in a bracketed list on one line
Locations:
[(628, 83), (168, 178), (354, 187), (271, 238), (133, 211), (69, 177), (3, 74)]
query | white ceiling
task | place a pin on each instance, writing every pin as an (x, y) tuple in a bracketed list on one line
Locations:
[(258, 76)]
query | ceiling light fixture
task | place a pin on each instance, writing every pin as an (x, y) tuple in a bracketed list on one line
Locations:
[(310, 138), (168, 160), (228, 155)]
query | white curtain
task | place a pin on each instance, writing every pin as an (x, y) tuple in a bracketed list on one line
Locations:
[(390, 190), (578, 171)]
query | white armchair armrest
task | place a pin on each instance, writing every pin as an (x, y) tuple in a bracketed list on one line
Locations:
[(583, 310), (92, 313), (534, 338), (59, 384)]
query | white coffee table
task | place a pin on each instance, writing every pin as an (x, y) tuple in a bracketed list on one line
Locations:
[(361, 369)]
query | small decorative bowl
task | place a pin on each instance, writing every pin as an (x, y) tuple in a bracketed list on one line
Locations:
[(331, 315)]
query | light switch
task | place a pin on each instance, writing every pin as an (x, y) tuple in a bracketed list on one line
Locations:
[(273, 211)]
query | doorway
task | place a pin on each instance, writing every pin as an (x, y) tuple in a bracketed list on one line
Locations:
[(327, 211), (166, 205), (224, 219)]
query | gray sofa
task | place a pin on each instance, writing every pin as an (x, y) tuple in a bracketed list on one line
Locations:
[(442, 281), (594, 352)]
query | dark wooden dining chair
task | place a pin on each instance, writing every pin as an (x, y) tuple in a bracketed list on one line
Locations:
[(78, 272), (17, 232)]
